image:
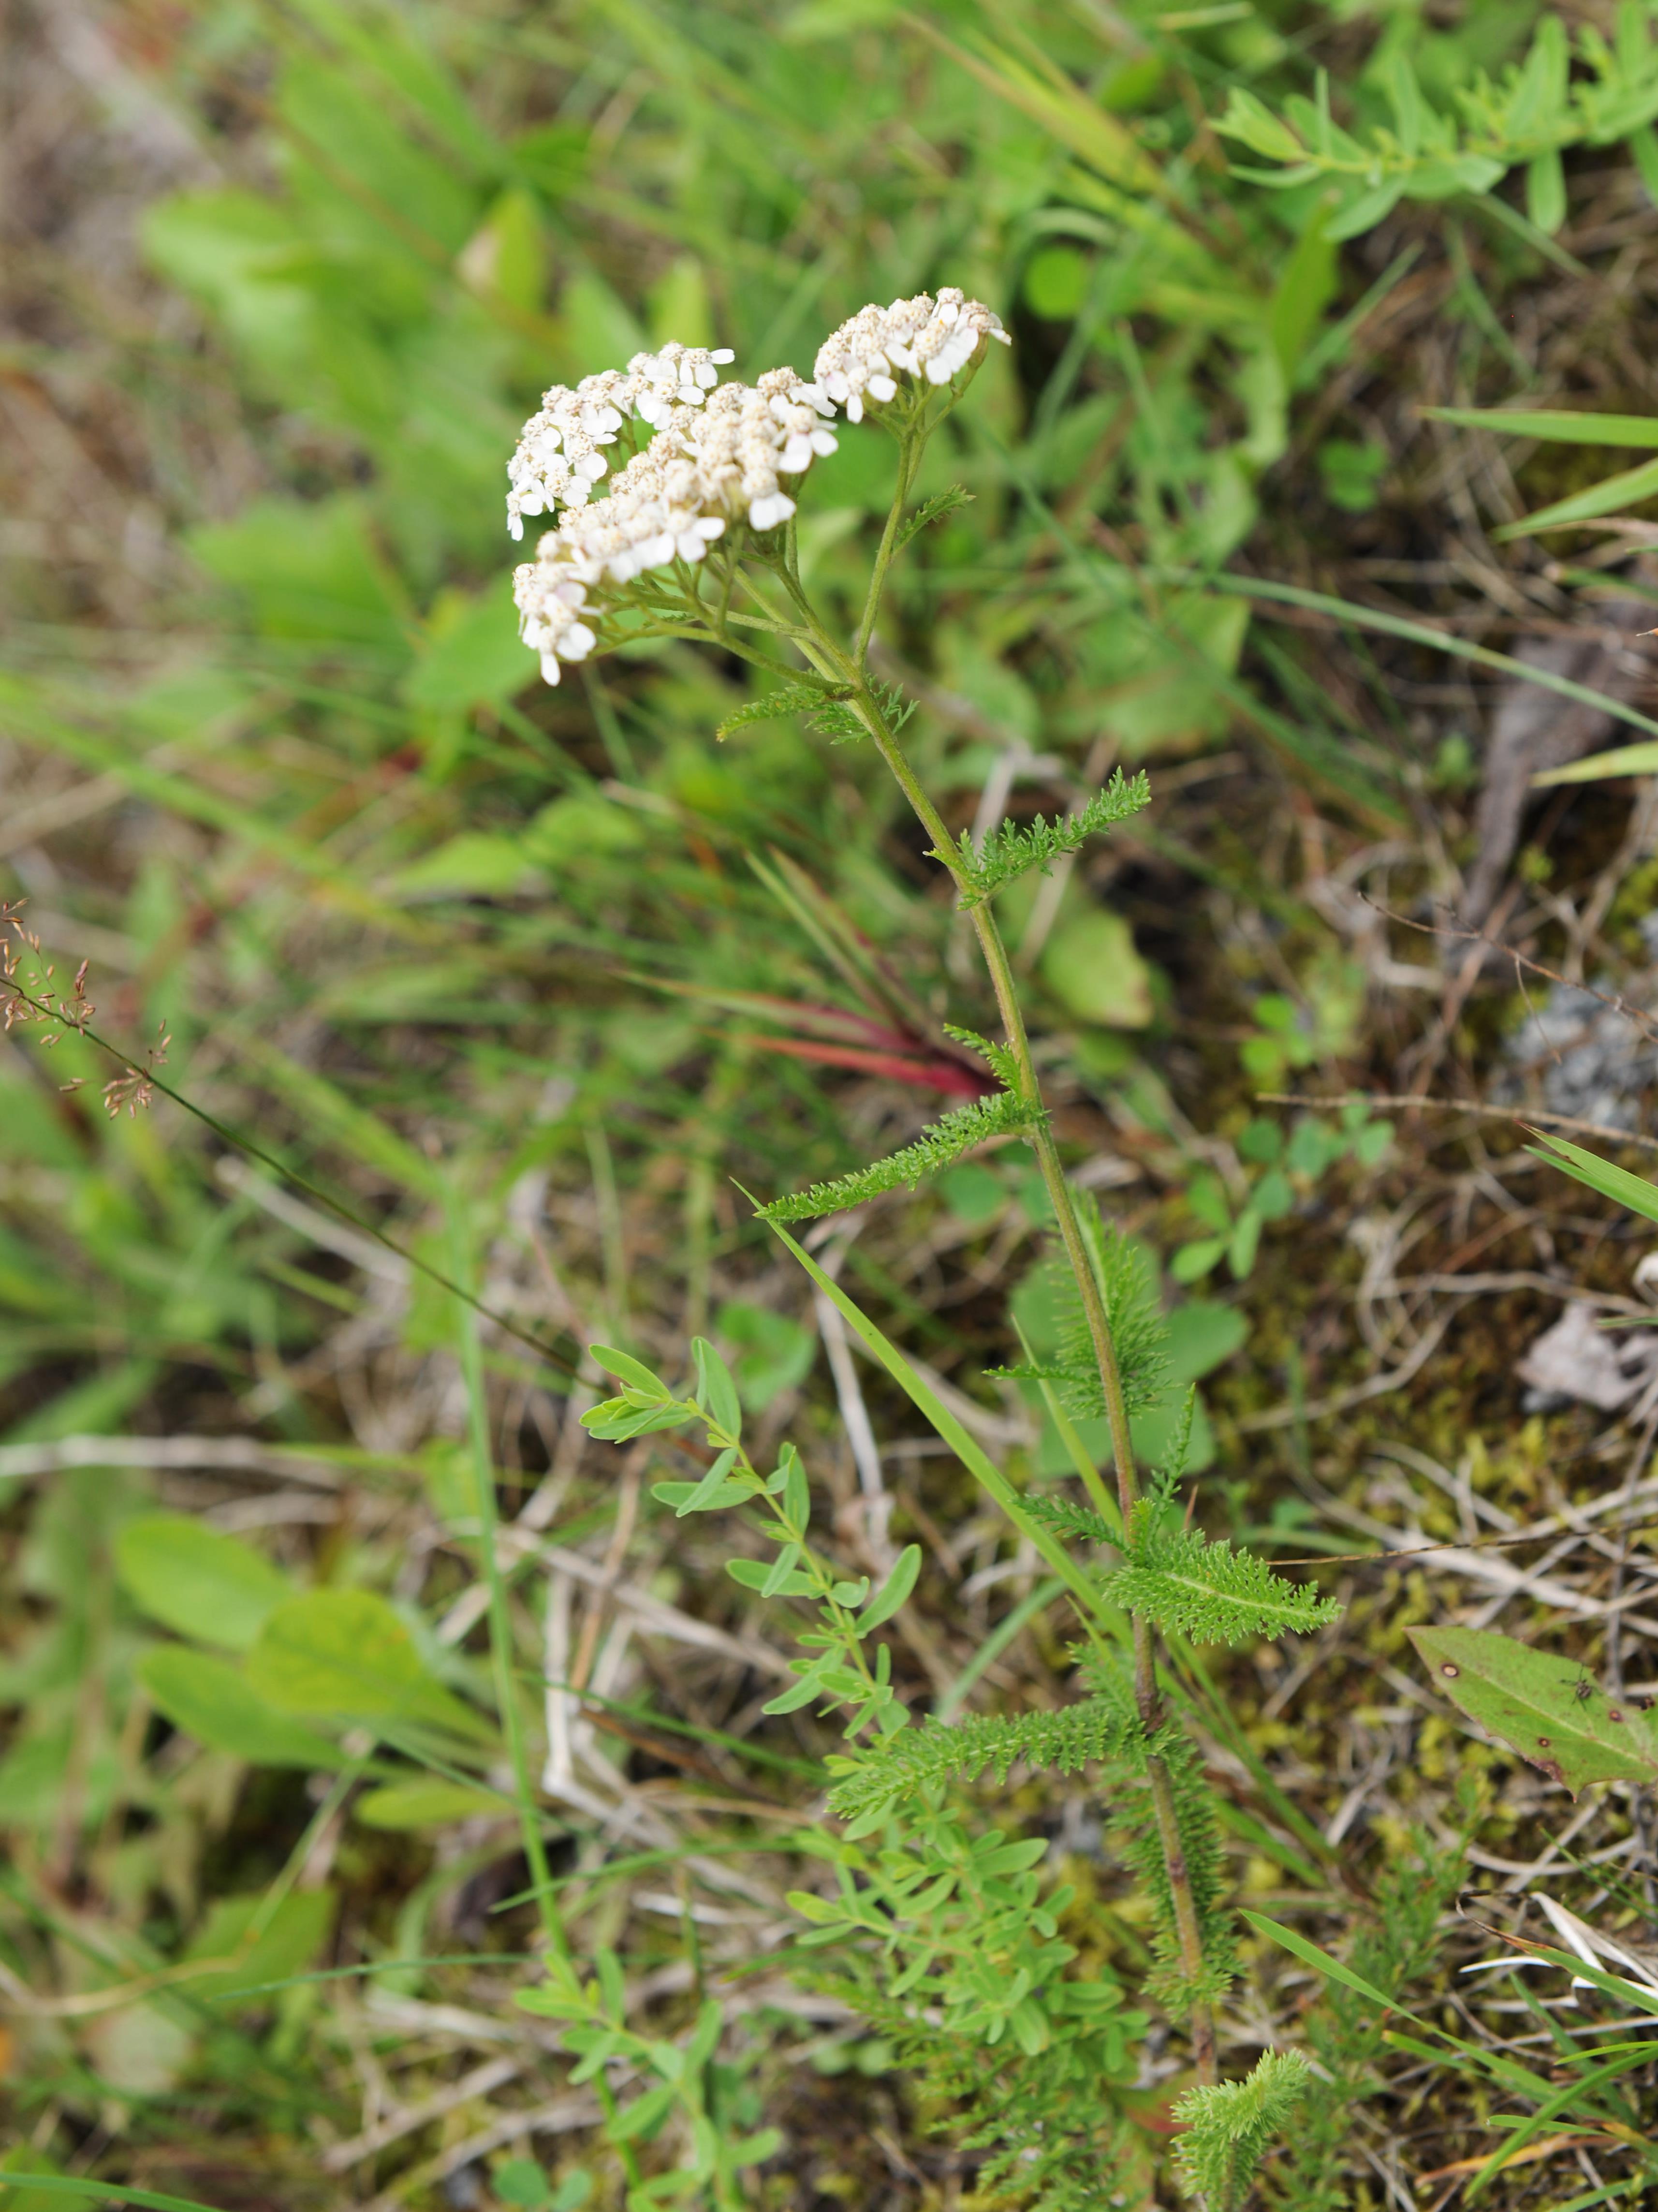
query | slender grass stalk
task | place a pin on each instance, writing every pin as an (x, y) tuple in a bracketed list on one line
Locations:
[(500, 1624)]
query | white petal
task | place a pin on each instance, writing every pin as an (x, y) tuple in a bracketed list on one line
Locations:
[(796, 455), (577, 642), (550, 668), (591, 466), (855, 408), (722, 355), (882, 387), (822, 443), (710, 526), (514, 523)]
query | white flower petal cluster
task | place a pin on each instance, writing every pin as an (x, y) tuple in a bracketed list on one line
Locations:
[(922, 337), (559, 460), (707, 467), (718, 456)]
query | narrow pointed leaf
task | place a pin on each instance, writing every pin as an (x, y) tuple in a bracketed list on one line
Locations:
[(1309, 1955), (893, 1590)]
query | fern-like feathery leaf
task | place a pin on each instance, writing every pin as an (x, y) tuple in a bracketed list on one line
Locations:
[(946, 1140), (916, 1760), (1128, 1290), (791, 699), (1015, 846), (1230, 2124), (1066, 1518), (1207, 1591), (1135, 1830), (1001, 1061), (932, 510)]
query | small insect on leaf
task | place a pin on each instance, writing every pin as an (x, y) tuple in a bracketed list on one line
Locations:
[(1546, 1709)]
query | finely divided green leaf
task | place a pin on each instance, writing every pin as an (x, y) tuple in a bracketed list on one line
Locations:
[(1550, 1710), (1182, 1582), (1230, 2124), (935, 509), (1016, 847), (792, 699), (946, 1140), (914, 1760)]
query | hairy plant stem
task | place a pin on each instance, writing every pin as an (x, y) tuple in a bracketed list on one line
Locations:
[(853, 671)]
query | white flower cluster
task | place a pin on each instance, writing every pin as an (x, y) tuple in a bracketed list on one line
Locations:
[(718, 456), (705, 468), (922, 337), (558, 459)]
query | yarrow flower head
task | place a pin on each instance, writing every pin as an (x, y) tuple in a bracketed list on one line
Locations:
[(718, 457), (559, 460), (707, 467), (924, 337)]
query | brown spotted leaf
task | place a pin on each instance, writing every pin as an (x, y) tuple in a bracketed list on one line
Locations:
[(1552, 1710)]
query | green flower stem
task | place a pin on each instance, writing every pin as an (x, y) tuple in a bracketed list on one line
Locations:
[(853, 671)]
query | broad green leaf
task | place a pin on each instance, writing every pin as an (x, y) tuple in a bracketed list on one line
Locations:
[(1557, 423), (789, 1701), (214, 1701), (781, 1575), (240, 1948), (893, 1590), (1633, 1191), (309, 571), (1550, 1710), (774, 1353), (476, 862), (716, 1390), (1091, 967), (344, 1653), (754, 1574), (631, 1373), (471, 655), (196, 1581), (428, 1802), (696, 1497)]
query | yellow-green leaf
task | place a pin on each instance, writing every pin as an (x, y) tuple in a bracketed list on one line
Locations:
[(1552, 1711)]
